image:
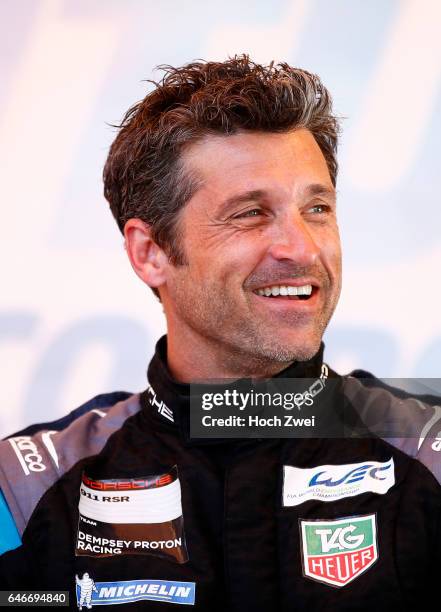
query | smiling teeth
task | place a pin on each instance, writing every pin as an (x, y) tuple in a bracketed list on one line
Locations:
[(276, 290)]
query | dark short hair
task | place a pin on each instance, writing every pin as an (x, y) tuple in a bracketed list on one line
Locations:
[(144, 176)]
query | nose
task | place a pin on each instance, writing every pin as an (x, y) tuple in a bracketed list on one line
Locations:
[(292, 240)]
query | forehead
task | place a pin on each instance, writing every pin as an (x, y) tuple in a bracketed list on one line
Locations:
[(253, 160)]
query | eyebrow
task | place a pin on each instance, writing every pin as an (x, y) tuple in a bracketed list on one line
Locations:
[(257, 195), (321, 190), (254, 195)]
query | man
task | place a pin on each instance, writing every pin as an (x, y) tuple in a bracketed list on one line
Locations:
[(223, 182), (87, 586)]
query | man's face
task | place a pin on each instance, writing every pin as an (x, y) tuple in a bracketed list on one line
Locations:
[(263, 221)]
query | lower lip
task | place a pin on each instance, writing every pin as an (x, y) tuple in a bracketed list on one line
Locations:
[(285, 303)]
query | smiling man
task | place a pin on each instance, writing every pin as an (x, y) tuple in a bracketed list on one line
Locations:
[(260, 237), (222, 181)]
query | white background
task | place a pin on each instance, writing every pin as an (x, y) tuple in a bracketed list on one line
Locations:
[(74, 319)]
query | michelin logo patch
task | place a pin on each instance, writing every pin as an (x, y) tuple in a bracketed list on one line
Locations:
[(332, 482), (128, 591)]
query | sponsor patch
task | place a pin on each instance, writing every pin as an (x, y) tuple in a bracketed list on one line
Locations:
[(428, 426), (436, 446), (91, 593), (132, 516), (161, 406), (332, 482), (27, 454), (336, 552)]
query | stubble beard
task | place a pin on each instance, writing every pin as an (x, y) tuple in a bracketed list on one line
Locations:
[(247, 345)]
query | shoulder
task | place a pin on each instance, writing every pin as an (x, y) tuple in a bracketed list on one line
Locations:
[(410, 422), (33, 459), (9, 536)]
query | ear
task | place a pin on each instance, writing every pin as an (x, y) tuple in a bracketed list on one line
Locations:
[(148, 259)]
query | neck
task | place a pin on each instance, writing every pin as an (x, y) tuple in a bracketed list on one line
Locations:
[(206, 360)]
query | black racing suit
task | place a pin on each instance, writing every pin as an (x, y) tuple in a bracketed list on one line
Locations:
[(233, 543)]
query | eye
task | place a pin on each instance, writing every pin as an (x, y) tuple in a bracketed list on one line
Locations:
[(255, 212), (319, 208)]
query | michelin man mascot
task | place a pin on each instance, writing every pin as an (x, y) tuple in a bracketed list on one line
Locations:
[(86, 585)]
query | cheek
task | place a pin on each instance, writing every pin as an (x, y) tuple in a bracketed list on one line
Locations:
[(331, 249), (247, 257), (230, 262)]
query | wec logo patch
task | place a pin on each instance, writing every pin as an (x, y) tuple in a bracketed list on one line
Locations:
[(332, 482), (337, 552)]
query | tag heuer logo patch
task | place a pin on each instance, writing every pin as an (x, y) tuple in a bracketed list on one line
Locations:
[(337, 552)]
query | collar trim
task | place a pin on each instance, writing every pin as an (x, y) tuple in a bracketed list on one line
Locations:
[(168, 401)]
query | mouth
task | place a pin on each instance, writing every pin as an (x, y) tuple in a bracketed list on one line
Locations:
[(301, 293)]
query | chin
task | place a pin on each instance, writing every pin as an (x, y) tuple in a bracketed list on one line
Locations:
[(287, 351)]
